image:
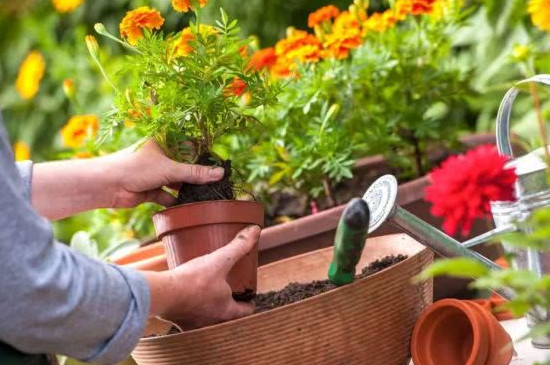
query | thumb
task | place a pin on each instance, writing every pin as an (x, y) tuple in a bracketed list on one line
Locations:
[(239, 309), (193, 174), (239, 247)]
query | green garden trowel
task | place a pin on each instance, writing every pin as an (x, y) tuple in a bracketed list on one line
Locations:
[(349, 242)]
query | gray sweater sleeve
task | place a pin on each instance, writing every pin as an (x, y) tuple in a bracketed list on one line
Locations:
[(54, 300)]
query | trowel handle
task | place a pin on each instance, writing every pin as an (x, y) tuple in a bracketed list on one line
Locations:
[(504, 143), (349, 242)]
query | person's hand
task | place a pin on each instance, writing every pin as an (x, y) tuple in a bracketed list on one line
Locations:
[(141, 173), (196, 293)]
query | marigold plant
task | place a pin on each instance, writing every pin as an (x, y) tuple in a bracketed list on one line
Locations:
[(187, 89)]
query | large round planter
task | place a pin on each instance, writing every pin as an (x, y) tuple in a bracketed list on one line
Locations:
[(197, 229), (367, 322)]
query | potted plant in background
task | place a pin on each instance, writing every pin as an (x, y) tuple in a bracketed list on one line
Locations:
[(186, 90)]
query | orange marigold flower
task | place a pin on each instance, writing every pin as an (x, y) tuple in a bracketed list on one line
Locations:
[(183, 6), (236, 88), (138, 19), (300, 46), (21, 151), (183, 48), (338, 45), (66, 6), (321, 15), (380, 22), (540, 13), (263, 59), (414, 7), (282, 68), (78, 129), (30, 74)]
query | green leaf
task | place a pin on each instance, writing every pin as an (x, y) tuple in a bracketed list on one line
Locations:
[(459, 267)]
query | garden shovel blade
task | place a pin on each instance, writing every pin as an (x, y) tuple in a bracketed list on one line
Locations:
[(349, 242)]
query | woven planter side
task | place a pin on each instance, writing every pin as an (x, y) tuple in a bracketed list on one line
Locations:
[(367, 322)]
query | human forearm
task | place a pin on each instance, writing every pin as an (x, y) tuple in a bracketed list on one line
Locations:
[(63, 188)]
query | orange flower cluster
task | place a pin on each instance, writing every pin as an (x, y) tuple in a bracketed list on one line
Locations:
[(138, 19), (337, 33), (78, 129), (183, 6), (324, 14)]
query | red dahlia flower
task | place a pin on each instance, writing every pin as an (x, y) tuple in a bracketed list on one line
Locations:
[(462, 188)]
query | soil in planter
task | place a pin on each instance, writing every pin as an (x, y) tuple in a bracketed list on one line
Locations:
[(219, 190), (295, 292)]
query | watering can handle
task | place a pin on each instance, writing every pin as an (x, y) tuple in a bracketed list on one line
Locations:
[(504, 144)]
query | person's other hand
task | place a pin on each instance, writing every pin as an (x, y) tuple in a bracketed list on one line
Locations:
[(141, 173), (196, 293)]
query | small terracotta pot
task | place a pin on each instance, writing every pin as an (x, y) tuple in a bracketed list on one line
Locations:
[(197, 229), (147, 258), (454, 332)]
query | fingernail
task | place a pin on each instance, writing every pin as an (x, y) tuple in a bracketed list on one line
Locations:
[(216, 172)]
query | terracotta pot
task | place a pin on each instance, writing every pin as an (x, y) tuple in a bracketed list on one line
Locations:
[(192, 230), (454, 332), (147, 258), (369, 320)]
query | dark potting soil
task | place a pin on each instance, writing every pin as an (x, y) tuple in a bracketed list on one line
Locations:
[(219, 190), (295, 292)]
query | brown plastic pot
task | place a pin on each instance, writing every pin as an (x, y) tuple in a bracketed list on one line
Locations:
[(367, 322), (454, 332), (197, 229), (147, 258)]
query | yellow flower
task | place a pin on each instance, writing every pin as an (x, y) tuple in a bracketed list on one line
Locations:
[(66, 6), (521, 53), (540, 13), (442, 8), (183, 6), (299, 46), (143, 17), (78, 129), (30, 75), (22, 151)]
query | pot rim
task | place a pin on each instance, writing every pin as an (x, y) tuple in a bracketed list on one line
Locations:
[(288, 307), (225, 201), (171, 219)]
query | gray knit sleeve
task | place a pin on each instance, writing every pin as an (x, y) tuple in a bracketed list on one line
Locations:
[(55, 300)]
